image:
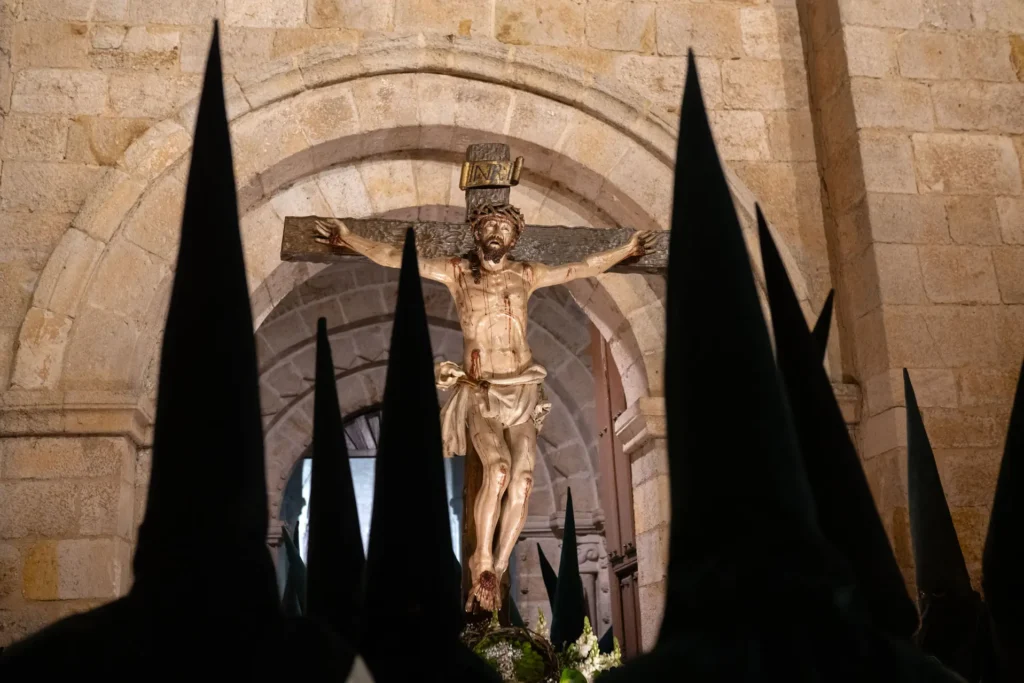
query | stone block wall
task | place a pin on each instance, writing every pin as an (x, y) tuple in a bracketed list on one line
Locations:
[(67, 517), (80, 81), (920, 135)]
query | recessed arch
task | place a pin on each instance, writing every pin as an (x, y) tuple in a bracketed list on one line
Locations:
[(323, 110)]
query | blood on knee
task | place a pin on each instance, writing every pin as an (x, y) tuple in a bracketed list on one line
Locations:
[(523, 485), (496, 475)]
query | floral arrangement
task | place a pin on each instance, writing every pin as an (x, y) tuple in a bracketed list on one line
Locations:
[(585, 658), (521, 655)]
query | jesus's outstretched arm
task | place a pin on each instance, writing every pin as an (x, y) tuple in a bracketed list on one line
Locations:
[(595, 264), (335, 233)]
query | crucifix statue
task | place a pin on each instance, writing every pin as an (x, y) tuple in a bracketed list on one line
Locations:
[(497, 403)]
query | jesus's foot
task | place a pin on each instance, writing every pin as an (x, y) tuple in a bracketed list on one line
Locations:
[(485, 591)]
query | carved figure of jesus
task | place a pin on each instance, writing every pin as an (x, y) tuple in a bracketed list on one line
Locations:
[(498, 399)]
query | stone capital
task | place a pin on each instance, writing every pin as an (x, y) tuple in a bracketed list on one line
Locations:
[(639, 423), (55, 413), (275, 533), (591, 556), (848, 396), (588, 522)]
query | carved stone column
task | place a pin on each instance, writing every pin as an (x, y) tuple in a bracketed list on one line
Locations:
[(274, 543), (641, 431), (592, 556)]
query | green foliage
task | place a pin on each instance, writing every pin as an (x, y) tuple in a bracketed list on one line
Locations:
[(531, 666), (572, 676)]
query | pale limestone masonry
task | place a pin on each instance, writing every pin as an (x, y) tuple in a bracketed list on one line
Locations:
[(66, 520), (884, 139), (918, 114)]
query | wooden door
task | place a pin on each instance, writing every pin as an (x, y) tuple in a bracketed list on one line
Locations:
[(616, 499)]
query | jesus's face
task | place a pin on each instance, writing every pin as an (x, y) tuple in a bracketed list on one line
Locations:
[(495, 237)]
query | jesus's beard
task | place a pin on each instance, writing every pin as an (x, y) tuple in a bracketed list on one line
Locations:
[(494, 251)]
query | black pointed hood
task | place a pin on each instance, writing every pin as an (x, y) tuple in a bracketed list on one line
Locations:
[(514, 617), (208, 462), (954, 625), (846, 509), (410, 510), (607, 643), (938, 559), (741, 503), (547, 572), (296, 587), (335, 554), (1003, 560), (207, 505), (570, 601), (824, 324)]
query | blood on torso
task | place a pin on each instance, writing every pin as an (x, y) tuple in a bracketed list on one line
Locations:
[(493, 313)]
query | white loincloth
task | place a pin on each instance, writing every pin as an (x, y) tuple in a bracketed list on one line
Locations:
[(511, 400)]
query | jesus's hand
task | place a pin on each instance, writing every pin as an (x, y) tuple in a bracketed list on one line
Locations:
[(447, 374), (332, 231), (642, 243)]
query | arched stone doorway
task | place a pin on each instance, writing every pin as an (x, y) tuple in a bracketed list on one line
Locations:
[(370, 127)]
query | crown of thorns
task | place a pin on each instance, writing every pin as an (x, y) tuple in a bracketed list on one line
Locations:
[(505, 211)]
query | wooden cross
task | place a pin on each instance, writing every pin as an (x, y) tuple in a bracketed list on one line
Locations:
[(487, 177)]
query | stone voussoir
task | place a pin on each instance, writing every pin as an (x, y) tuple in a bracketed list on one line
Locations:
[(108, 204), (490, 60), (156, 150), (42, 340), (393, 54), (272, 82), (521, 66), (64, 279)]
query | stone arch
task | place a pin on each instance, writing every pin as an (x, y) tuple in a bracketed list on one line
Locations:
[(99, 298)]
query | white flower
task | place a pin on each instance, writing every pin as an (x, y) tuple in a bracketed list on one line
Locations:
[(585, 655)]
